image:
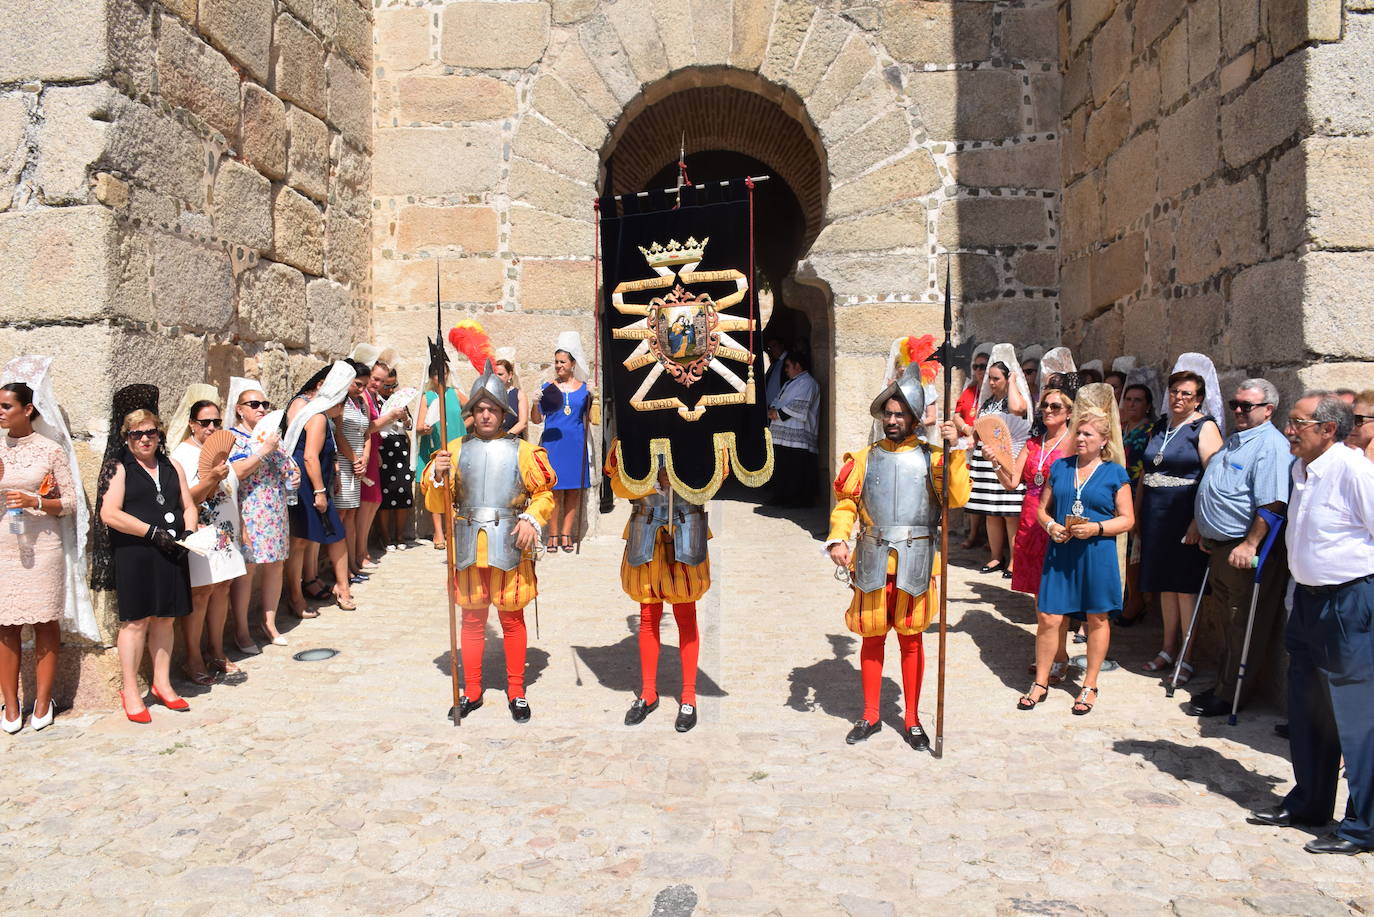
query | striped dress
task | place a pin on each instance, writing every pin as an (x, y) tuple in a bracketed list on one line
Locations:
[(989, 497)]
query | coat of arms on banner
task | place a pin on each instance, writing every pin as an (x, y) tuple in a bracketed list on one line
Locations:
[(682, 332)]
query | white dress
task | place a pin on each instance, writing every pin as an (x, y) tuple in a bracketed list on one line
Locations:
[(220, 510)]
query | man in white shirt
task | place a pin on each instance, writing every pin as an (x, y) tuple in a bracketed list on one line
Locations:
[(1329, 641), (794, 422)]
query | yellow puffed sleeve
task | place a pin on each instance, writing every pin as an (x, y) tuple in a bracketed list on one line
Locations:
[(960, 485), (539, 479), (848, 483)]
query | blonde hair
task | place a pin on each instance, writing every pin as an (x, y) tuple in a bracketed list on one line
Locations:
[(142, 415), (1065, 396), (1103, 423)]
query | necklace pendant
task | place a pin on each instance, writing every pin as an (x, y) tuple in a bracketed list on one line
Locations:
[(1077, 507), (567, 409), (1039, 479), (161, 501), (1158, 459)]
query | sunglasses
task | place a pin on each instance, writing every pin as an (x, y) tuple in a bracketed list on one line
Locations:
[(979, 367), (206, 424), (1052, 407), (1176, 393), (1246, 406), (257, 405), (143, 434), (1361, 419)]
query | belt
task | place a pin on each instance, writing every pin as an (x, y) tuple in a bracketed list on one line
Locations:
[(892, 534), (1336, 587), (1159, 479), (679, 512), (480, 514)]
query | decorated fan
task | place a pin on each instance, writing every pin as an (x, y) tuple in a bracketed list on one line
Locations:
[(270, 423), (470, 339), (215, 450), (1002, 436), (400, 399)]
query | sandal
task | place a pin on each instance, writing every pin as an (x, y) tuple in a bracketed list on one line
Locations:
[(1057, 671), (551, 544), (441, 545), (1080, 706), (204, 679), (1185, 675), (318, 594), (567, 544), (346, 604), (1154, 665), (1026, 702), (225, 666)]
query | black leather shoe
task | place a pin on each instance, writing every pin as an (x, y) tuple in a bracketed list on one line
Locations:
[(916, 737), (520, 710), (1278, 817), (686, 718), (639, 710), (467, 705), (1211, 706), (1333, 844), (862, 730)]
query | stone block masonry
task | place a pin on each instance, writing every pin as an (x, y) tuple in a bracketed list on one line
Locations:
[(1215, 180), (183, 190)]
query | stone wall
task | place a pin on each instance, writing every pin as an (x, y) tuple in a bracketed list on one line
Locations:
[(1215, 178), (937, 123), (184, 192)]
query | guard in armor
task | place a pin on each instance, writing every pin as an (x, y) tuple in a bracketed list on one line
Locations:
[(501, 499), (665, 561), (892, 488)]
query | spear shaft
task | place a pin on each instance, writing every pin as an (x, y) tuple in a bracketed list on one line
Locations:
[(939, 747), (440, 360)]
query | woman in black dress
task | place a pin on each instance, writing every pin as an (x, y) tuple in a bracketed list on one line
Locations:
[(397, 474), (145, 503)]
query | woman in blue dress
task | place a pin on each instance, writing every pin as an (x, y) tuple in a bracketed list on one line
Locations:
[(1082, 573), (1172, 564), (562, 408)]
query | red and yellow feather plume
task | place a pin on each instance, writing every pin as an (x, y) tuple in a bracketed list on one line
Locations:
[(913, 349), (470, 339)]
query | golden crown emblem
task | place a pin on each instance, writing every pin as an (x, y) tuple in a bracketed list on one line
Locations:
[(675, 252)]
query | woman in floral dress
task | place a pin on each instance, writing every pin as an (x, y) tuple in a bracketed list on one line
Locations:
[(265, 475)]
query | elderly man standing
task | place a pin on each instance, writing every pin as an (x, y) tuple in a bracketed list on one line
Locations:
[(1329, 641), (1250, 473)]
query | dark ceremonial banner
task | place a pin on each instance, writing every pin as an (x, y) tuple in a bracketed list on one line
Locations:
[(682, 338)]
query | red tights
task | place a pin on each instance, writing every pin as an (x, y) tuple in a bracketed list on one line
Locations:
[(913, 669), (514, 639), (650, 614)]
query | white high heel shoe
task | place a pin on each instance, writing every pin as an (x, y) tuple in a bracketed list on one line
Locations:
[(12, 725), (40, 722)]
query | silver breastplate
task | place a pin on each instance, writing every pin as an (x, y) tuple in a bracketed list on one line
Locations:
[(650, 513), (899, 516), (490, 498)]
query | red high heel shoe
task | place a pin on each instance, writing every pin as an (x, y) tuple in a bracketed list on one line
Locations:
[(178, 705), (142, 716)]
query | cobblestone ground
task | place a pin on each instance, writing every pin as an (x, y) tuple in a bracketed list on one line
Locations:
[(339, 788)]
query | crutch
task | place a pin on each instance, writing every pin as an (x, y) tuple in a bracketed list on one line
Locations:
[(1188, 637), (1275, 523)]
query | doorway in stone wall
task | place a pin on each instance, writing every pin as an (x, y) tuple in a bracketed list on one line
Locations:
[(734, 124)]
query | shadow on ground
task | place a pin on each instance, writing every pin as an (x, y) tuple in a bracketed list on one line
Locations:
[(616, 666)]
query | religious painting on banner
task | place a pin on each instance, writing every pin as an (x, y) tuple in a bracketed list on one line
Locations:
[(681, 335)]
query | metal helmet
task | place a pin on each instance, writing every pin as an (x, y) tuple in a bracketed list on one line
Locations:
[(907, 388), (488, 387)]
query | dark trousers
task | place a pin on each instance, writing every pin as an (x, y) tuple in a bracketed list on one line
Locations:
[(1231, 593), (794, 476), (1331, 706)]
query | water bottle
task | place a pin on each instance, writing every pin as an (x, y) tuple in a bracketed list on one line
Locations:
[(293, 496), (15, 515)]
